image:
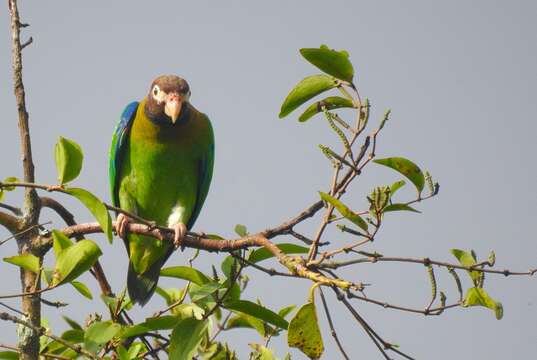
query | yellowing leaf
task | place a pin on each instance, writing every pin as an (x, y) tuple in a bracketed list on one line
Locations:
[(407, 168), (479, 297), (304, 332)]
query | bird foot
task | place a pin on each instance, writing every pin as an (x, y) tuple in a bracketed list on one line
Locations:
[(122, 224), (179, 234)]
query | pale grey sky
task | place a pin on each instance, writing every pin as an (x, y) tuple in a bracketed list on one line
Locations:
[(460, 78)]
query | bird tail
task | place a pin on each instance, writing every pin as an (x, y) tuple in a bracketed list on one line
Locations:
[(142, 286)]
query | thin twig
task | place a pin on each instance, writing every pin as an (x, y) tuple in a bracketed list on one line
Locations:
[(332, 328)]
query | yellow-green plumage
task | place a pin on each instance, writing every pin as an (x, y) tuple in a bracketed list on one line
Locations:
[(162, 174)]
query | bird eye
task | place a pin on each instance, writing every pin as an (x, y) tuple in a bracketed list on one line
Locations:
[(155, 91)]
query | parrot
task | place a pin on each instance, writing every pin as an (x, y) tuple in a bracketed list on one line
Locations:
[(161, 166)]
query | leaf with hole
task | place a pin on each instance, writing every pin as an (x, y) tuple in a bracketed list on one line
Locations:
[(330, 103), (304, 332), (332, 62), (344, 210), (479, 297), (69, 157), (306, 89), (26, 261), (74, 261), (406, 168), (96, 207)]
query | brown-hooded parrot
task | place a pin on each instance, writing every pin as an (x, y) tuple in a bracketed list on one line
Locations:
[(161, 165)]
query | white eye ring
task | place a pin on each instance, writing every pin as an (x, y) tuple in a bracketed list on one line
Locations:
[(156, 91)]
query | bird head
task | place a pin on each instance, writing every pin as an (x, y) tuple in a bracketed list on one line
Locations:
[(167, 99)]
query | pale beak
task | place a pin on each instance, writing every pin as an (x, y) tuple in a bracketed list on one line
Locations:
[(172, 108)]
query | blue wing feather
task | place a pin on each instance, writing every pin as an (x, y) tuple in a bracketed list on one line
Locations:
[(119, 146)]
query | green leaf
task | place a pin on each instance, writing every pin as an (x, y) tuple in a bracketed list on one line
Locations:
[(242, 320), (150, 324), (399, 207), (96, 207), (262, 353), (263, 254), (241, 230), (227, 265), (331, 102), (99, 333), (192, 310), (69, 159), (185, 273), (396, 186), (186, 337), (306, 89), (304, 332), (467, 259), (198, 293), (82, 289), (74, 261), (407, 168), (344, 210), (170, 295), (10, 179), (29, 262), (135, 349), (258, 312), (60, 242), (479, 297), (286, 310), (9, 355), (332, 62), (72, 323), (74, 336), (122, 353)]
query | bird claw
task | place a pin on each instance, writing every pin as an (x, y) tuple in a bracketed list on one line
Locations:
[(179, 234), (122, 224)]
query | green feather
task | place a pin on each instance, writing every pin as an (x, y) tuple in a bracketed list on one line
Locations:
[(162, 168)]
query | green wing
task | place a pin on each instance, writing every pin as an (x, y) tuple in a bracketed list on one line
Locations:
[(205, 171)]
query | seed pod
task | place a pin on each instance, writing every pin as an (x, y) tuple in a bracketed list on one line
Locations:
[(330, 117), (432, 279), (457, 281)]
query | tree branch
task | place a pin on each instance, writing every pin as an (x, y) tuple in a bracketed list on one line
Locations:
[(39, 330), (97, 270)]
